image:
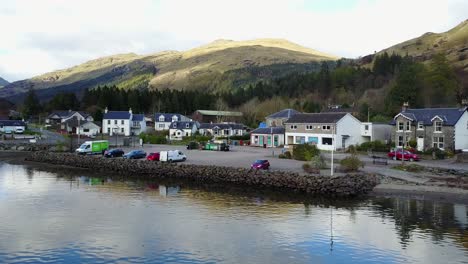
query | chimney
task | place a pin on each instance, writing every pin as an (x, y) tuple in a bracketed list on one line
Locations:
[(464, 103), (404, 107), (106, 110), (130, 110)]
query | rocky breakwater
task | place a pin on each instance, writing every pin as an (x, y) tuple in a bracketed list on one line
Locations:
[(346, 185)]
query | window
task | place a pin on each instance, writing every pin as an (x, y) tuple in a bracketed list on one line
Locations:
[(293, 127), (408, 126), (108, 130), (108, 122), (400, 141), (115, 122), (161, 125), (325, 127), (86, 130), (400, 126), (438, 142), (161, 118), (300, 140), (420, 125), (327, 141), (122, 122), (312, 140), (366, 127), (123, 131), (438, 126), (187, 125), (186, 134), (309, 127), (174, 118)]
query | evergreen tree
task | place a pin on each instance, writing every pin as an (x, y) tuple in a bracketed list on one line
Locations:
[(31, 104)]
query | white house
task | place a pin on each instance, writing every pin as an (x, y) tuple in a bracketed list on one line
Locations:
[(376, 131), (12, 126), (326, 130), (222, 129), (58, 117), (180, 129), (81, 127), (269, 137), (162, 121), (123, 123)]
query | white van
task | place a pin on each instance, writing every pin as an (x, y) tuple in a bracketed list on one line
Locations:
[(172, 155)]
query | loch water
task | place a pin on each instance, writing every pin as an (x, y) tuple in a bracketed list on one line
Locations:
[(68, 216)]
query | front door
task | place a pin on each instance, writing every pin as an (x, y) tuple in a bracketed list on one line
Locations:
[(420, 143), (275, 140), (260, 141), (269, 140)]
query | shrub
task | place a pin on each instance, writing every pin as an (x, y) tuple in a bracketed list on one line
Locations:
[(413, 143), (287, 155), (373, 145), (351, 163), (153, 138), (281, 156), (439, 154), (351, 149), (318, 162), (305, 152)]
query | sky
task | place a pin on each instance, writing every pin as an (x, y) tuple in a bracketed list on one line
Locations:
[(47, 35)]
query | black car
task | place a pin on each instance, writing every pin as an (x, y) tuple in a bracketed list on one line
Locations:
[(113, 153), (135, 154), (192, 145)]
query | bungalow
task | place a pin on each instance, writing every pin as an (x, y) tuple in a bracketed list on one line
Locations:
[(180, 129), (321, 128), (162, 121), (76, 126), (267, 137), (214, 116), (277, 119), (58, 117), (12, 126), (222, 129), (444, 128), (123, 123)]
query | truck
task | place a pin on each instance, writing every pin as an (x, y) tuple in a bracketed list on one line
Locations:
[(216, 146), (93, 147), (172, 155)]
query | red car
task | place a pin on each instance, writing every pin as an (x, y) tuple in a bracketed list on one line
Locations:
[(153, 156), (403, 153), (260, 165)]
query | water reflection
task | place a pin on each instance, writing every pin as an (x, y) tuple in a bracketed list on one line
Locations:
[(62, 215)]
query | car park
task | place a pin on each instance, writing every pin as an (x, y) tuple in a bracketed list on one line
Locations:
[(403, 154), (260, 165), (153, 156), (135, 154), (113, 153)]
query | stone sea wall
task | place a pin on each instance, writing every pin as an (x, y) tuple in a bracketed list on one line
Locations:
[(24, 146), (347, 185)]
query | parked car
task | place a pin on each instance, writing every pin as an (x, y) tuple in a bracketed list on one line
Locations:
[(113, 153), (405, 154), (153, 156), (260, 165), (192, 145), (135, 154)]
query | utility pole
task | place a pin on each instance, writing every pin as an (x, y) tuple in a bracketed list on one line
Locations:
[(78, 131), (333, 147)]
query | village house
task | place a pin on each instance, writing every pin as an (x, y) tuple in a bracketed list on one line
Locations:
[(12, 126), (321, 128), (277, 119), (443, 128), (214, 116), (76, 126), (58, 117), (270, 137), (180, 129), (123, 123), (222, 129), (162, 121)]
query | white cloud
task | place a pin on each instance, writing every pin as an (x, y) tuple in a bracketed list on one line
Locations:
[(46, 35)]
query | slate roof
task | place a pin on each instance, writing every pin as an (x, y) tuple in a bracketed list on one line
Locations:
[(221, 126), (316, 118), (285, 113), (167, 117), (138, 117), (449, 116), (64, 114), (182, 125), (117, 115), (219, 113), (12, 123), (73, 122), (269, 130)]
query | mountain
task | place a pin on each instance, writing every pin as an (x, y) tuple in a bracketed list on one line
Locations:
[(220, 65), (453, 43), (3, 82)]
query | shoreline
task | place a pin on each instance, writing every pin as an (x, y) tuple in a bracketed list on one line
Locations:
[(387, 188)]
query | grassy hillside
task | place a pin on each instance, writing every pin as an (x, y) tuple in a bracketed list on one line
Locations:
[(453, 43), (205, 67)]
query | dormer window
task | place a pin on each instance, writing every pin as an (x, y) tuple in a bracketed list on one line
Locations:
[(187, 125), (174, 118), (161, 118), (438, 126)]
